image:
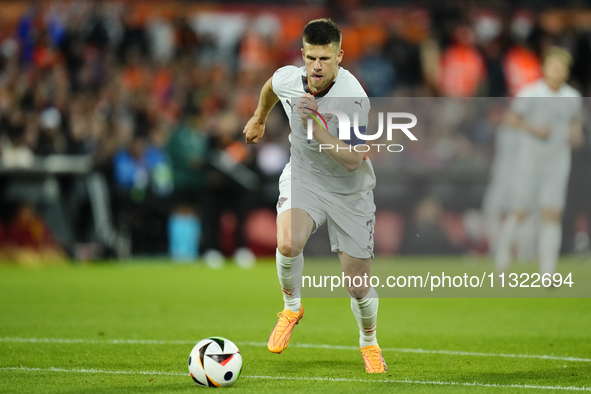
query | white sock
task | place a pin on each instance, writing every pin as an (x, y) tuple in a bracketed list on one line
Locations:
[(366, 314), (505, 243), (289, 271), (549, 246)]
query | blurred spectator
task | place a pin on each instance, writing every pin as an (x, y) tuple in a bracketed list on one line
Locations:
[(187, 42), (111, 81), (28, 31), (143, 182), (254, 50), (495, 74), (403, 53), (14, 151), (51, 138), (188, 149), (132, 168), (425, 232), (28, 240), (162, 39), (521, 64), (228, 187), (376, 73), (462, 66)]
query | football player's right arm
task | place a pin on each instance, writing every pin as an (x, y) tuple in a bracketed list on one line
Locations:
[(255, 128), (512, 119)]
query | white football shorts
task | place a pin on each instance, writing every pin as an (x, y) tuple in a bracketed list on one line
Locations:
[(541, 181), (350, 219)]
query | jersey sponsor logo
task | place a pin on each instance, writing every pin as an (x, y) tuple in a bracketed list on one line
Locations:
[(359, 102)]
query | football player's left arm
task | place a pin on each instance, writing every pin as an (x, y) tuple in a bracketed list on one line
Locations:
[(340, 151), (576, 131), (514, 120)]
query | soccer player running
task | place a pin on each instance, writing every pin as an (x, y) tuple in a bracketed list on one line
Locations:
[(333, 186), (548, 116)]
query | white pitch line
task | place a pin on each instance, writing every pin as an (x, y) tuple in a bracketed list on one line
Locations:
[(432, 382), (298, 345), (98, 341), (92, 370), (427, 351), (304, 378)]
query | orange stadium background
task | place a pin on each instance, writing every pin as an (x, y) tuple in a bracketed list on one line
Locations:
[(119, 120)]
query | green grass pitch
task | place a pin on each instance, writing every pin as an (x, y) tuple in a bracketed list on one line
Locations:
[(129, 328)]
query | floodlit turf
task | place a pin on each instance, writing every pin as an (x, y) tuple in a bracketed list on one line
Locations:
[(128, 328)]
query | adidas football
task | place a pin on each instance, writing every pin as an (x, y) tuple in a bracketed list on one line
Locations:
[(215, 362)]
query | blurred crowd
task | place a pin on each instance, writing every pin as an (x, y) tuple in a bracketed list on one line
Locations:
[(158, 98)]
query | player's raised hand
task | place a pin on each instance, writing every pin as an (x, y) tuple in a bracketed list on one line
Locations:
[(254, 130), (306, 105)]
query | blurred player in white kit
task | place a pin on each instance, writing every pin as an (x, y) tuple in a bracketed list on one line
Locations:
[(497, 199), (547, 114)]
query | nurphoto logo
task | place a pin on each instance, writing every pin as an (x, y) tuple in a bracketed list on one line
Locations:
[(345, 129)]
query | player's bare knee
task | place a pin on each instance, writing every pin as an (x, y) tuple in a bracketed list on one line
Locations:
[(288, 248), (358, 292), (284, 247), (284, 242)]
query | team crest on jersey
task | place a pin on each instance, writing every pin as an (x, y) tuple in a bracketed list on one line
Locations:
[(328, 117), (281, 201)]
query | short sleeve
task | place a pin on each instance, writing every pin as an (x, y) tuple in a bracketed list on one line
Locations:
[(522, 102), (281, 79)]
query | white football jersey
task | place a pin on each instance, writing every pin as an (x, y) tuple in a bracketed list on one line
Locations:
[(308, 164), (539, 105)]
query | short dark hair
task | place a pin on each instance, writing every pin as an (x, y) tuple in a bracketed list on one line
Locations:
[(322, 32)]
